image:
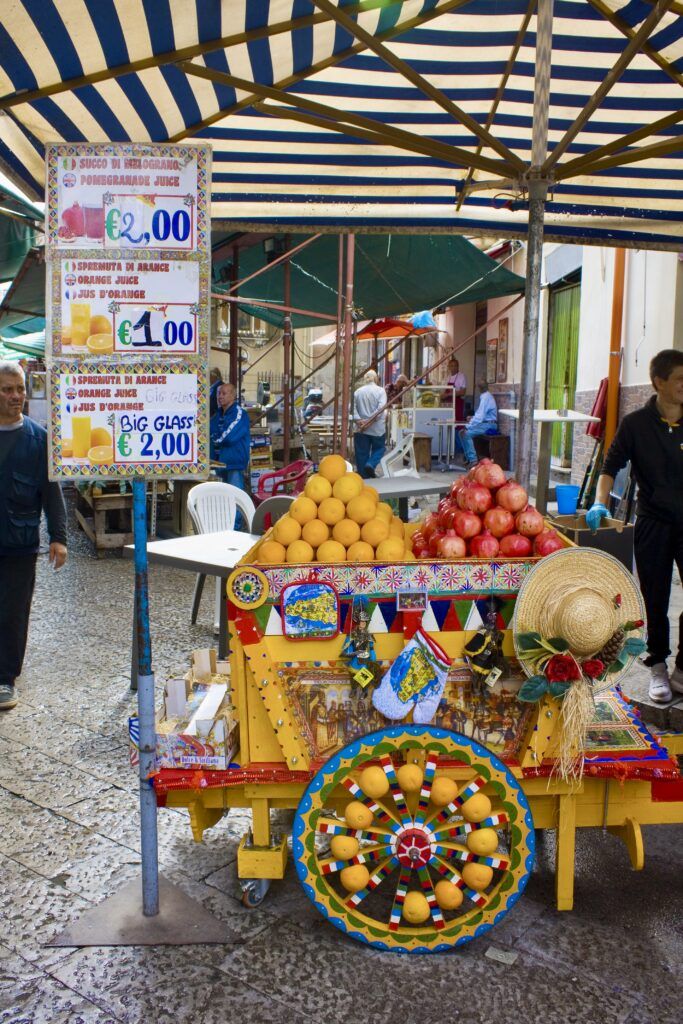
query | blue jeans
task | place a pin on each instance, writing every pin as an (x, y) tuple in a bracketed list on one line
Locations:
[(466, 435), (368, 450)]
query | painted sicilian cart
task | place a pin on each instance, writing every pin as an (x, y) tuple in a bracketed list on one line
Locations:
[(423, 716)]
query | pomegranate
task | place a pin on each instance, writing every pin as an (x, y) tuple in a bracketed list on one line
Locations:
[(489, 474), (445, 504), (433, 543), (419, 540), (430, 524), (546, 543), (452, 546), (499, 522), (467, 524), (448, 518), (515, 546), (529, 522), (475, 498), (512, 496), (484, 545)]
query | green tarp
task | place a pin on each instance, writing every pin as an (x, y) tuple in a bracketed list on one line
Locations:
[(394, 274)]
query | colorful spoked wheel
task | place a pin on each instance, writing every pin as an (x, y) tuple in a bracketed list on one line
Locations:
[(414, 839)]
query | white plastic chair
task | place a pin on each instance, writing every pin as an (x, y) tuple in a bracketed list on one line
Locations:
[(392, 464), (213, 507)]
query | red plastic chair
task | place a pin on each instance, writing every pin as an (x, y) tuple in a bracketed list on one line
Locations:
[(288, 480)]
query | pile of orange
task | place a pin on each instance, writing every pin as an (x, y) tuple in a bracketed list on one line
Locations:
[(338, 518)]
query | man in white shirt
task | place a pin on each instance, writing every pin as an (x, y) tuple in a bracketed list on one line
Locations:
[(484, 421), (369, 441)]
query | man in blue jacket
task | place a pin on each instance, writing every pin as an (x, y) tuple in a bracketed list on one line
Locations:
[(230, 436), (25, 493)]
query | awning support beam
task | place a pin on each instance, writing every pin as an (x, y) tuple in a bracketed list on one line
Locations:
[(381, 134), (185, 53), (538, 190), (340, 16), (332, 61), (500, 91), (648, 51), (614, 74), (585, 163)]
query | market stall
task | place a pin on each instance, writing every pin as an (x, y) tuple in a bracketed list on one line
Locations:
[(425, 697)]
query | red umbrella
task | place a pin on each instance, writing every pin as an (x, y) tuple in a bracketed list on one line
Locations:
[(389, 328)]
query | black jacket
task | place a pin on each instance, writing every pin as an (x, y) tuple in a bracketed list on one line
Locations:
[(25, 492), (655, 451)]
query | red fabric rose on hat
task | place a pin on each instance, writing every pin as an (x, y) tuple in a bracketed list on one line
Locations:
[(592, 668), (562, 668)]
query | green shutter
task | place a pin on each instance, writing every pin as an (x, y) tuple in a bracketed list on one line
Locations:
[(563, 350)]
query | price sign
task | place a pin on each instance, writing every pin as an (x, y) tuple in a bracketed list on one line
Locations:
[(128, 256), (111, 422), (144, 222), (127, 197), (111, 306)]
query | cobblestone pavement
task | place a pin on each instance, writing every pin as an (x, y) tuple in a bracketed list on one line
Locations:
[(69, 838)]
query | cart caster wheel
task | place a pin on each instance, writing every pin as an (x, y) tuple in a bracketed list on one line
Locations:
[(254, 892), (414, 839)]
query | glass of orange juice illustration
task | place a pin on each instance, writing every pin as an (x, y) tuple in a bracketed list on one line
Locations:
[(80, 323), (80, 436)]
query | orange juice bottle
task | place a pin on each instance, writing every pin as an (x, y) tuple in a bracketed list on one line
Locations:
[(80, 323), (80, 434)]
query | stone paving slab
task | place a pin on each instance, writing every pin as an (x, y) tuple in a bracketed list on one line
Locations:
[(140, 984), (363, 983)]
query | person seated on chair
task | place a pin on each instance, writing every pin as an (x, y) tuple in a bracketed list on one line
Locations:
[(369, 439), (484, 421), (230, 436)]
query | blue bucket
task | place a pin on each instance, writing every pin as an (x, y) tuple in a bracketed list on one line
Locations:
[(567, 499)]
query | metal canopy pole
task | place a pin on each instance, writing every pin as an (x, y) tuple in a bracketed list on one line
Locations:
[(235, 377), (287, 386), (538, 190), (148, 800), (340, 286), (348, 330)]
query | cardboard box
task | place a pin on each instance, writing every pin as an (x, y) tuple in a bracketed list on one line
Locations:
[(204, 735), (613, 537)]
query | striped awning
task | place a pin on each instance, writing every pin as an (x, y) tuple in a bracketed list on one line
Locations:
[(378, 115)]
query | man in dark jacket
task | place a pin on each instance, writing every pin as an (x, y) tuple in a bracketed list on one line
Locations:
[(652, 440), (25, 492), (230, 436)]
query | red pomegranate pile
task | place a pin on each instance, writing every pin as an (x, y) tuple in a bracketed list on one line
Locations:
[(485, 516)]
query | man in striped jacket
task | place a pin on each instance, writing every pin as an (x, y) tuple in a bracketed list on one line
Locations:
[(230, 436)]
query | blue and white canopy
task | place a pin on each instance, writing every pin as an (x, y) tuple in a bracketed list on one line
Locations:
[(375, 115)]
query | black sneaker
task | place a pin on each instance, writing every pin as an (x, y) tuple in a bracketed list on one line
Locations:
[(8, 697), (368, 473)]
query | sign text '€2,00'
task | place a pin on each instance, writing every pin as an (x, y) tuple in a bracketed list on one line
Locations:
[(153, 438)]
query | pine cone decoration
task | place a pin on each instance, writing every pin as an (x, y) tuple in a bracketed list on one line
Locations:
[(612, 648)]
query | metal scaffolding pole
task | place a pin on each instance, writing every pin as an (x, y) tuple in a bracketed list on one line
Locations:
[(340, 286), (235, 376), (287, 383), (538, 190), (348, 331)]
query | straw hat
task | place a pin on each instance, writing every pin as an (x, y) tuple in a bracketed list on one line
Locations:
[(580, 594)]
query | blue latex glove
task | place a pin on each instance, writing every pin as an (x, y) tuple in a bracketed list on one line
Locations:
[(594, 514)]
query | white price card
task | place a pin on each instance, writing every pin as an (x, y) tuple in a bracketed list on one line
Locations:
[(112, 420)]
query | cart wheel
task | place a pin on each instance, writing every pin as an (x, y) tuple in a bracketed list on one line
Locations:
[(254, 892), (414, 839)]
